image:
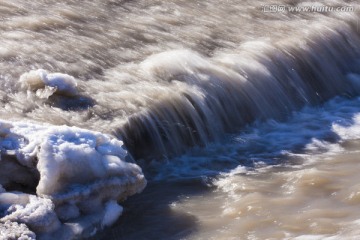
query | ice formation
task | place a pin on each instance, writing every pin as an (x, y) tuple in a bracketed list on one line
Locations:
[(45, 84), (14, 230), (62, 179)]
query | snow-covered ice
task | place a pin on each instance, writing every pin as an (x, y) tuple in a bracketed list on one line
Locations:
[(45, 84), (52, 175), (14, 230)]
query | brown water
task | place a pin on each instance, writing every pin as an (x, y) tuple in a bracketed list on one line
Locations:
[(310, 193), (107, 46), (319, 201), (190, 86)]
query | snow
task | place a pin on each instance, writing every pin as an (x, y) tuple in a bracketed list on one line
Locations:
[(38, 214), (71, 173), (14, 230)]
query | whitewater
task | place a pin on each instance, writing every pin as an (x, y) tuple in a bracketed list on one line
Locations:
[(179, 119)]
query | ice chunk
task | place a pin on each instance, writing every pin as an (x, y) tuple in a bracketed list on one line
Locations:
[(45, 84), (8, 198), (112, 213), (38, 214), (13, 230), (72, 174)]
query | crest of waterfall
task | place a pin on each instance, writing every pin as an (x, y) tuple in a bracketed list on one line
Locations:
[(258, 81)]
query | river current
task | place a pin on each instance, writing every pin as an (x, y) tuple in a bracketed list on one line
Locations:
[(244, 116)]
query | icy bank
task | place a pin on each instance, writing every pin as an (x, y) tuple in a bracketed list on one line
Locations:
[(59, 179)]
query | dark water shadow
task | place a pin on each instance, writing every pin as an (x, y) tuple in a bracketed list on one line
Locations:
[(71, 103), (16, 177), (149, 215)]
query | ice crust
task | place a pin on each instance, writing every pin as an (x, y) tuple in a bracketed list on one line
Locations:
[(14, 230), (62, 179), (45, 84)]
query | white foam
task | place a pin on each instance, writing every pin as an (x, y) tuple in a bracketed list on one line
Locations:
[(350, 132), (181, 65), (311, 131)]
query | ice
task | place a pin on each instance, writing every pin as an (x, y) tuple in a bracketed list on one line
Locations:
[(51, 175), (67, 211), (13, 230), (7, 198), (112, 213), (38, 214), (45, 84)]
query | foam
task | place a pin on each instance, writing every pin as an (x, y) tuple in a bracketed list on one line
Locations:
[(261, 80), (73, 170), (348, 132), (175, 64), (311, 131)]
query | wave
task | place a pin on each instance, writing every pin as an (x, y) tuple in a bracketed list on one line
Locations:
[(261, 80), (309, 132)]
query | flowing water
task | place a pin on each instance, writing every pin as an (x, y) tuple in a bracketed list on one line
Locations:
[(245, 122)]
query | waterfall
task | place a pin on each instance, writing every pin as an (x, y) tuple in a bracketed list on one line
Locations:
[(258, 81)]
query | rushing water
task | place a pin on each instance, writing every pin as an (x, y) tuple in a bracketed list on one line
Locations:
[(299, 179), (245, 122)]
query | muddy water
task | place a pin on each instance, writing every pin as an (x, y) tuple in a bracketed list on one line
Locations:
[(109, 47), (309, 191), (317, 202)]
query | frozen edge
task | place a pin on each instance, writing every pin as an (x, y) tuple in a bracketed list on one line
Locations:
[(90, 174)]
